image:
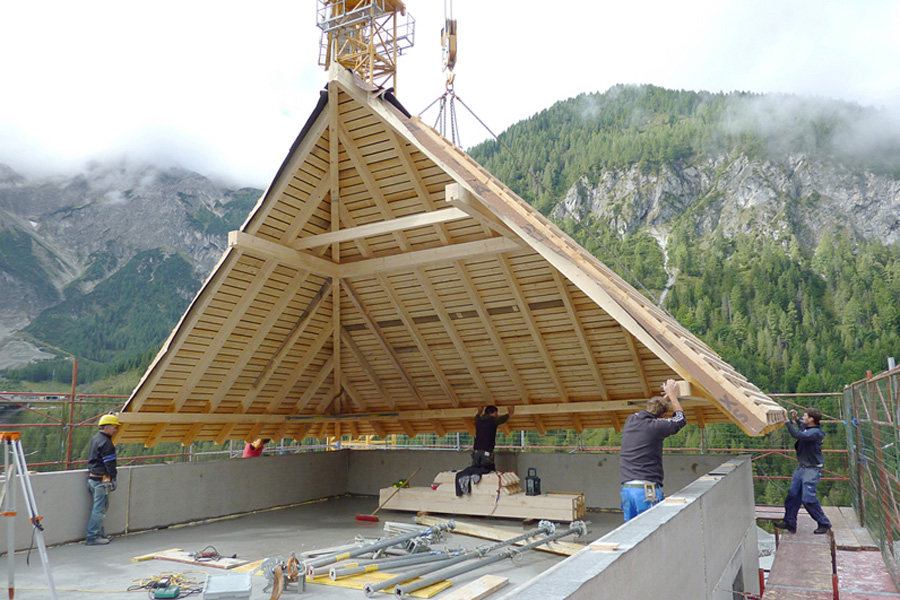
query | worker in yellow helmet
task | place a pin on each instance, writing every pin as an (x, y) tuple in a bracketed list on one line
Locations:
[(101, 478)]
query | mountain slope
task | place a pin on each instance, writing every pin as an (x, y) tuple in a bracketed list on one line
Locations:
[(767, 225), (77, 250)]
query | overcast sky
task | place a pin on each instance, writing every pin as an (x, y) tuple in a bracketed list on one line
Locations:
[(225, 87)]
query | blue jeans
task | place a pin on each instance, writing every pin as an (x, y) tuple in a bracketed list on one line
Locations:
[(803, 492), (634, 500), (100, 494)]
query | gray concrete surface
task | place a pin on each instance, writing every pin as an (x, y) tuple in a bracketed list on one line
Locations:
[(707, 534), (153, 496), (82, 572)]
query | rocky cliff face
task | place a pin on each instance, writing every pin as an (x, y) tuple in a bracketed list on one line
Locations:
[(736, 194), (65, 235)]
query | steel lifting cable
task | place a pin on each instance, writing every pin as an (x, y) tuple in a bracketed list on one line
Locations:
[(574, 216)]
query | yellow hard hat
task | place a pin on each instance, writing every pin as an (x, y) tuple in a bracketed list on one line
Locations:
[(108, 420)]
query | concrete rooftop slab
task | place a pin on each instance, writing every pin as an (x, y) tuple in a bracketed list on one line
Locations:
[(80, 571)]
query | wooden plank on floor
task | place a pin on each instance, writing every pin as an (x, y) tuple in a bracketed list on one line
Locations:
[(478, 589), (844, 538), (357, 582), (864, 575), (862, 534), (769, 513), (152, 555)]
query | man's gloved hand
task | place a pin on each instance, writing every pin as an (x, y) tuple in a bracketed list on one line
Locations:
[(112, 485)]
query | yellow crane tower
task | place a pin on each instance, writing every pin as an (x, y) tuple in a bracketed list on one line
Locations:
[(365, 36)]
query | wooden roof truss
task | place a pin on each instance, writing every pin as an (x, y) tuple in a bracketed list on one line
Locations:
[(386, 284)]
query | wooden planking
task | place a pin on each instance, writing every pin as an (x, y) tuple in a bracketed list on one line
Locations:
[(554, 507), (459, 331), (482, 587)]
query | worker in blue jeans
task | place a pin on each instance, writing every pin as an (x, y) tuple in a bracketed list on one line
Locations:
[(640, 455), (101, 478), (805, 480)]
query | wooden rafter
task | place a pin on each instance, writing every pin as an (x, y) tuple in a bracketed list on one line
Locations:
[(223, 334), (385, 345), (578, 330), (314, 385), (533, 329), (363, 363)]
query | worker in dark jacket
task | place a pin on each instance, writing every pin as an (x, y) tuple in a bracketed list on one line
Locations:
[(803, 486), (101, 478), (640, 457), (487, 420)]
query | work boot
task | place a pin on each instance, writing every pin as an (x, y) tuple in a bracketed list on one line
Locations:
[(100, 541), (822, 529), (780, 524)]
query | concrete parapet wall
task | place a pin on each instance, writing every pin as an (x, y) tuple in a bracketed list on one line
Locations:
[(594, 475), (153, 496), (689, 550), (597, 475)]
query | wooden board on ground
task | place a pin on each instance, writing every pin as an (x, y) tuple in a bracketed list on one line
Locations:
[(356, 582), (863, 537), (249, 567), (769, 513), (478, 589), (497, 534), (152, 555), (553, 507), (186, 558), (844, 538)]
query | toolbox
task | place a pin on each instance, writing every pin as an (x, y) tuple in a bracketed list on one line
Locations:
[(229, 586)]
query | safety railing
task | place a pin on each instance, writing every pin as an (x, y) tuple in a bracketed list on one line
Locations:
[(57, 428), (871, 411)]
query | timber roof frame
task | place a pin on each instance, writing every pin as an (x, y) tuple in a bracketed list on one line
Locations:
[(388, 284)]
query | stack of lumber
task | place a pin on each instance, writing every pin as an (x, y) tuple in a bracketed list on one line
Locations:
[(498, 494)]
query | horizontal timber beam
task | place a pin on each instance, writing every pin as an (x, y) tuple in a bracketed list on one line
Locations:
[(380, 228), (283, 254), (406, 415), (410, 260)]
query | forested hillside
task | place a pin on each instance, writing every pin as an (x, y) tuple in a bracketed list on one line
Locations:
[(766, 225), (789, 287)]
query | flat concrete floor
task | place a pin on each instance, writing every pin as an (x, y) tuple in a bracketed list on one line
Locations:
[(81, 571)]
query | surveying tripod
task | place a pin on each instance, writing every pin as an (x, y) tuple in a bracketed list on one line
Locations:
[(12, 443)]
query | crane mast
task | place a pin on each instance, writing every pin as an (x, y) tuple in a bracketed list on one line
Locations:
[(366, 36)]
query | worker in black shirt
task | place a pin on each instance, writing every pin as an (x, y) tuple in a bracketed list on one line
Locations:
[(640, 456), (487, 420), (101, 478), (805, 480)]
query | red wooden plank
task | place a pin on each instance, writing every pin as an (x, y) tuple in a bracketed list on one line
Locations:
[(863, 574)]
